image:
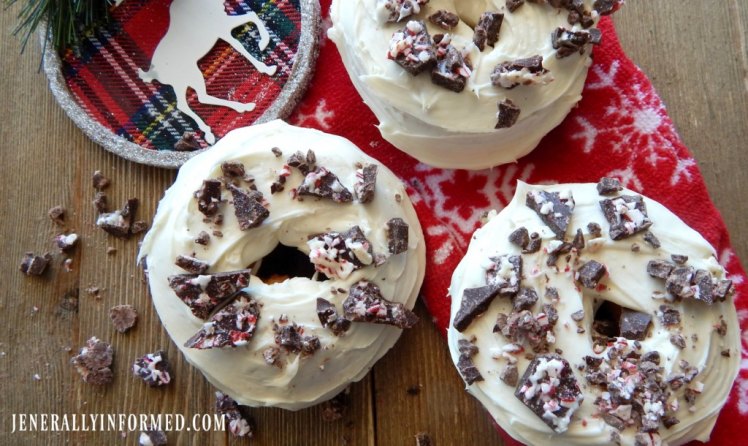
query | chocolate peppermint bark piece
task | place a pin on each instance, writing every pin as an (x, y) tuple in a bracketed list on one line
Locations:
[(397, 235), (337, 254), (524, 300), (550, 390), (452, 70), (329, 317), (669, 316), (534, 244), (123, 317), (465, 364), (366, 183), (152, 436), (444, 19), (526, 71), (305, 163), (609, 186), (487, 30), (203, 293), (505, 274), (153, 369), (679, 282), (591, 273), (93, 362), (652, 240), (722, 289), (475, 301), (290, 337), (626, 214), (34, 265), (660, 269), (248, 207), (606, 7), (396, 10), (520, 237), (232, 326), (119, 222), (507, 115), (512, 5), (209, 197), (567, 42), (366, 304), (99, 181), (233, 169), (412, 48), (192, 265), (322, 183), (578, 241), (238, 424), (553, 208), (634, 325)]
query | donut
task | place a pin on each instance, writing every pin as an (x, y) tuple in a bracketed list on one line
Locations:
[(467, 83), (589, 314), (284, 262)]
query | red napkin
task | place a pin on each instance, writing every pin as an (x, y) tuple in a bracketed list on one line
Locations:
[(619, 129)]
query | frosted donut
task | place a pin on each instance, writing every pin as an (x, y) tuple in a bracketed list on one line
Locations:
[(588, 314), (336, 225), (467, 83)]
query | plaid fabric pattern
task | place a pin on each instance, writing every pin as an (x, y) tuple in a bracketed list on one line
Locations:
[(102, 73)]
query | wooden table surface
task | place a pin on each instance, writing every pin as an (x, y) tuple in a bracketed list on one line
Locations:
[(695, 53)]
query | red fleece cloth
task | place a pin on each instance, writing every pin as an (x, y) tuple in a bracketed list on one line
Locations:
[(620, 129)]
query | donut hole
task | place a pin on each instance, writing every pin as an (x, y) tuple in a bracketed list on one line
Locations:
[(285, 262), (613, 321)]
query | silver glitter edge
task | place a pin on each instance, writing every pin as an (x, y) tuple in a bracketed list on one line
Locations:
[(285, 103)]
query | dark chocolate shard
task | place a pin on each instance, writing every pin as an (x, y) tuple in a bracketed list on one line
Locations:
[(322, 183), (591, 273), (329, 318), (567, 42), (507, 115), (203, 293), (510, 375), (527, 71), (678, 283), (337, 254), (505, 274), (550, 390), (609, 186), (397, 235), (520, 237), (594, 229), (534, 244), (452, 70), (192, 265), (722, 289), (555, 249), (626, 214), (660, 269), (366, 183), (233, 169), (465, 364), (238, 424), (187, 143), (652, 240), (209, 197), (606, 7), (34, 265), (444, 19), (305, 163), (475, 301), (553, 208), (512, 5), (679, 259), (525, 299), (153, 368), (703, 286), (678, 341), (634, 325), (93, 362), (232, 326), (669, 316), (487, 30), (119, 222), (578, 241), (203, 238), (412, 48), (248, 207), (366, 304)]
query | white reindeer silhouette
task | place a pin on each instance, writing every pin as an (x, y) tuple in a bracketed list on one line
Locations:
[(194, 28)]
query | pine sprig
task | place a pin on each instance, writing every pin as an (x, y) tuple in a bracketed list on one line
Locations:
[(66, 19)]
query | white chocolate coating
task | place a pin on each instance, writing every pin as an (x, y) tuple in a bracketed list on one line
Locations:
[(628, 285), (456, 130), (242, 372)]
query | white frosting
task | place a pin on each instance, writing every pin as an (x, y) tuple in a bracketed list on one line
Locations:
[(242, 372), (456, 130), (629, 285)]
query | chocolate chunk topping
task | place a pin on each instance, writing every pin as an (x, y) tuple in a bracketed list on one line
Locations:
[(33, 265), (366, 183), (119, 222), (609, 186), (487, 30), (520, 237), (534, 244), (203, 238), (291, 339), (397, 235), (634, 325), (606, 7), (366, 304), (703, 286), (339, 254), (475, 301), (324, 184), (204, 293), (522, 326), (209, 197), (722, 289), (444, 19), (153, 368), (505, 274), (626, 214), (510, 375), (123, 317), (578, 241), (305, 163), (232, 326), (669, 315), (651, 240), (524, 300), (412, 49), (679, 259), (99, 181), (93, 362), (277, 152), (400, 9), (465, 364), (567, 42), (507, 115), (187, 143), (248, 207), (590, 274), (555, 250), (238, 424), (512, 5), (335, 408), (577, 316), (512, 73), (192, 265), (57, 215), (452, 69), (595, 230), (233, 169), (678, 283), (678, 341), (329, 318), (549, 389), (660, 269), (553, 208)]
